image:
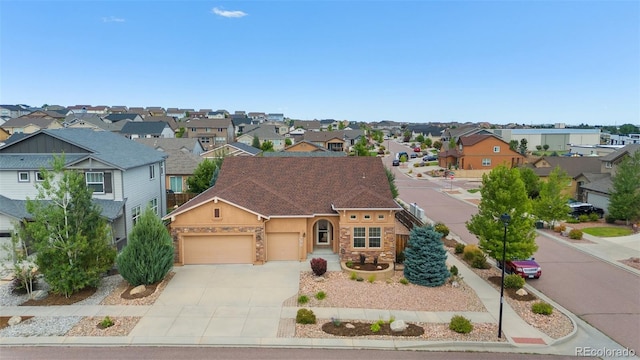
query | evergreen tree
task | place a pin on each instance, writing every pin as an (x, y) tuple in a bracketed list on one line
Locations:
[(71, 239), (552, 204), (504, 192), (624, 203), (256, 142), (392, 182), (522, 149), (148, 256), (425, 258)]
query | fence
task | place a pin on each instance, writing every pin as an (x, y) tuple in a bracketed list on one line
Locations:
[(175, 200), (409, 221)]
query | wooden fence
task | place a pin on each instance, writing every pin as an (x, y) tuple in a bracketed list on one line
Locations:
[(175, 200)]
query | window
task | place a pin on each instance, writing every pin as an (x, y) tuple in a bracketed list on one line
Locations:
[(95, 181), (205, 140), (135, 214), (23, 176), (607, 164), (353, 217), (374, 237), (153, 204), (486, 162), (367, 217), (207, 129), (194, 129), (216, 213), (359, 237), (39, 176), (152, 172), (175, 184), (496, 149), (220, 129), (380, 217)]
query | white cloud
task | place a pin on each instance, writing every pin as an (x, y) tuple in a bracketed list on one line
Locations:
[(228, 14), (112, 19)]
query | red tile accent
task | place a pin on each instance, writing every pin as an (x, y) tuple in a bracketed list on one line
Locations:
[(523, 340)]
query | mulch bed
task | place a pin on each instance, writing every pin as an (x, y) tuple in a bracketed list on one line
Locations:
[(149, 289), (449, 242), (59, 299), (497, 280), (369, 267), (364, 329), (4, 320)]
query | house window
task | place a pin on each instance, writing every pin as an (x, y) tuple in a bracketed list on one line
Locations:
[(23, 176), (205, 140), (207, 130), (220, 129), (39, 176), (194, 129), (153, 204), (374, 237), (607, 164), (496, 149), (175, 184), (486, 162), (135, 214), (95, 182), (367, 217), (152, 172), (216, 213), (353, 217), (380, 217), (359, 237)]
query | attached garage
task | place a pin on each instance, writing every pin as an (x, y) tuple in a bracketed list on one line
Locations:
[(282, 246), (218, 249)]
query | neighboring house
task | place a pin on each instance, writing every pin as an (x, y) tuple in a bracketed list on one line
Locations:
[(275, 117), (58, 115), (13, 111), (114, 118), (258, 117), (183, 158), (28, 125), (156, 111), (92, 121), (427, 130), (210, 132), (624, 139), (479, 152), (176, 113), (595, 188), (126, 177), (457, 132), (119, 109), (233, 149), (241, 125), (147, 129), (557, 139), (307, 125), (173, 124), (264, 133), (305, 146), (286, 208), (140, 111), (330, 140), (351, 137), (216, 114), (573, 166), (198, 114)]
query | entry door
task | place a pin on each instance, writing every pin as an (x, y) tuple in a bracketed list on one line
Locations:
[(323, 232)]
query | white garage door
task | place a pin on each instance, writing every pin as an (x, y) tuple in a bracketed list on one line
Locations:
[(282, 246), (218, 249), (598, 201)]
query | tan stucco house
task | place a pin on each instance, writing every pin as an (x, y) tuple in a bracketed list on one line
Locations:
[(284, 208)]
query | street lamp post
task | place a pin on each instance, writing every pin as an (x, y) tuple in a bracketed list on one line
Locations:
[(505, 218)]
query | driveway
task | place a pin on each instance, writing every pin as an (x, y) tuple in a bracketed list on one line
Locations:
[(221, 301)]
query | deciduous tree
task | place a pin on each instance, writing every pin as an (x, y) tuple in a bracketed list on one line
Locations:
[(552, 204), (624, 202), (203, 175)]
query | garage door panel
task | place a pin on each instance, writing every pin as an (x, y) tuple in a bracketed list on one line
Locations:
[(282, 246), (218, 249)]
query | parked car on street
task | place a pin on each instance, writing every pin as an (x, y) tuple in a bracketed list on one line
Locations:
[(527, 268), (413, 155), (417, 149), (430, 158), (395, 162)]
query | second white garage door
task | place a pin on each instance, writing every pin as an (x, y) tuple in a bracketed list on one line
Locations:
[(218, 249), (282, 246)]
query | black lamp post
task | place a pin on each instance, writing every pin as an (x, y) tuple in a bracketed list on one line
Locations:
[(505, 218)]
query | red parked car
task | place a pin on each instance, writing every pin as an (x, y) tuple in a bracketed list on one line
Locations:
[(417, 149), (528, 268)]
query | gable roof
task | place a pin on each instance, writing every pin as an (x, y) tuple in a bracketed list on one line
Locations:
[(470, 140), (208, 123), (41, 122), (170, 143), (574, 166), (299, 186), (264, 132), (246, 148), (103, 146), (144, 128), (17, 209), (323, 135), (181, 162), (627, 149), (173, 124), (120, 117)]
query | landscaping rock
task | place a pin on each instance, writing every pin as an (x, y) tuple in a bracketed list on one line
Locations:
[(350, 326), (398, 326), (39, 294), (379, 267), (522, 292), (318, 279), (455, 284), (138, 290), (15, 320)]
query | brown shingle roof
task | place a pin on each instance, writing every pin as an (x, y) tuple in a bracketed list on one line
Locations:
[(574, 166), (293, 186)]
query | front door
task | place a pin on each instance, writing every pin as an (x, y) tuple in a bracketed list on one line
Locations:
[(323, 233)]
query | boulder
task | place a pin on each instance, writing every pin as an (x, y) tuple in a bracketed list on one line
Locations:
[(398, 326), (318, 278), (138, 290), (349, 326), (15, 320), (522, 292), (39, 294), (455, 284)]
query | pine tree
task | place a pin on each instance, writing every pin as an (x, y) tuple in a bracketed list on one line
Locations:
[(148, 256), (425, 258)]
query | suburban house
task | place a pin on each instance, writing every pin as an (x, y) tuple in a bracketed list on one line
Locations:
[(147, 129), (233, 149), (264, 133), (307, 125), (93, 121), (126, 177), (177, 113), (595, 188), (258, 117), (572, 165), (210, 132), (13, 111), (28, 125), (173, 124), (183, 158), (140, 111), (330, 140), (113, 118), (156, 111), (428, 131), (479, 152), (286, 208), (275, 117), (219, 114), (351, 137), (119, 109), (304, 146), (100, 109)]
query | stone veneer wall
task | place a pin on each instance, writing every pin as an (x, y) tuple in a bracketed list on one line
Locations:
[(385, 254), (257, 230)]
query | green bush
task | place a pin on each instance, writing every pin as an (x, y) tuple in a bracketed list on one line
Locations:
[(459, 248), (441, 228), (470, 252), (572, 220), (303, 299), (106, 322), (375, 327), (575, 234), (542, 308), (305, 316), (610, 219), (321, 295), (353, 275), (453, 270), (148, 256), (479, 261), (594, 217), (513, 281), (460, 324), (583, 218), (404, 281), (371, 278)]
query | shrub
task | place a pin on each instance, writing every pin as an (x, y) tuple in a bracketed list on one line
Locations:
[(319, 266), (426, 263), (148, 256), (391, 319), (336, 322), (305, 316), (371, 278), (404, 281), (442, 229), (321, 295), (419, 175), (575, 234), (572, 220), (594, 217), (106, 322), (479, 261), (375, 327), (353, 275), (349, 264), (610, 219), (470, 252), (513, 281), (303, 299), (583, 218), (453, 270), (416, 165), (459, 248), (542, 308), (559, 228), (460, 324)]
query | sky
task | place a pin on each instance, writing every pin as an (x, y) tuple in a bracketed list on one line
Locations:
[(529, 62)]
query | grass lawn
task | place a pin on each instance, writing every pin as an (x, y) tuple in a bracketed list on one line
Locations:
[(607, 231)]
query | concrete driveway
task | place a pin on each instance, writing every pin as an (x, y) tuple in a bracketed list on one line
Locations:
[(206, 301)]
